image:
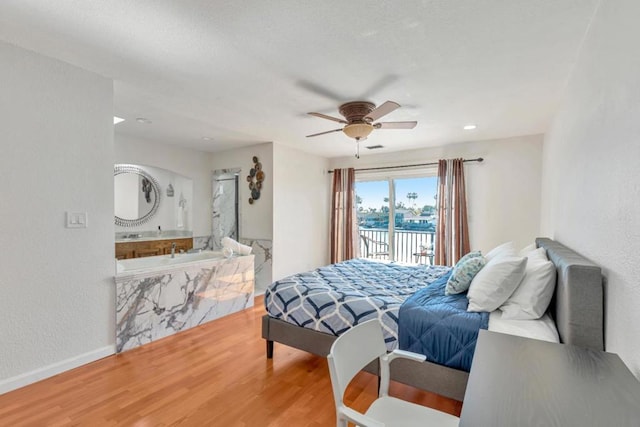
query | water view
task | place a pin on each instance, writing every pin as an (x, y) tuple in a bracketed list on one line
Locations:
[(411, 202)]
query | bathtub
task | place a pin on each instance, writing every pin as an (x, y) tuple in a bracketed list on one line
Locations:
[(159, 296), (162, 261)]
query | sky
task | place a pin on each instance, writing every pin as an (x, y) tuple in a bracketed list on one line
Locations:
[(374, 192)]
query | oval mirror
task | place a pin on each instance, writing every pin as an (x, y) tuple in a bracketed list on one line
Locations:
[(137, 195)]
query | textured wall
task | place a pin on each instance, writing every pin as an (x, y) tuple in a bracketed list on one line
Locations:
[(58, 297), (591, 178), (300, 211)]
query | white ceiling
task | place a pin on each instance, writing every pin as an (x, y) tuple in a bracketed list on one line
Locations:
[(244, 72)]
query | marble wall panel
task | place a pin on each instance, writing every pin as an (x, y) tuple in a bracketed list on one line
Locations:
[(203, 242), (263, 262)]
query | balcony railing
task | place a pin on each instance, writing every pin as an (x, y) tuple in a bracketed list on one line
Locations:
[(415, 247)]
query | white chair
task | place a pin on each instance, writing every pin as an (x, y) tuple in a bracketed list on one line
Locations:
[(354, 350)]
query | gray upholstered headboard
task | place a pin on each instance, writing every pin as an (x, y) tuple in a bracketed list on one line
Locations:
[(578, 303)]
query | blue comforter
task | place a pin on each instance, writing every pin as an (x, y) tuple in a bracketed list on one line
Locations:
[(439, 326)]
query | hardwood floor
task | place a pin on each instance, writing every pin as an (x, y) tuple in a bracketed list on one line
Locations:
[(213, 375)]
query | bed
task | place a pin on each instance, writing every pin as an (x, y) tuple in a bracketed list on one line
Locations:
[(576, 308)]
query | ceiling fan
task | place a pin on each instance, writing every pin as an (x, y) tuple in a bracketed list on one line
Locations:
[(359, 118)]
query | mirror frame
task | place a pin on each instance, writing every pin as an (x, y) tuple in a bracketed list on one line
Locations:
[(120, 169)]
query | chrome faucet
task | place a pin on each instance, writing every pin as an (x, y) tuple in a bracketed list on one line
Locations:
[(173, 250)]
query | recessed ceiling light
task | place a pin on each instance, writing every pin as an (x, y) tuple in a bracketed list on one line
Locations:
[(469, 127), (117, 120), (207, 138), (143, 120)]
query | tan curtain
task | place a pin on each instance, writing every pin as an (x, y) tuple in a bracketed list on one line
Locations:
[(452, 232), (344, 224)]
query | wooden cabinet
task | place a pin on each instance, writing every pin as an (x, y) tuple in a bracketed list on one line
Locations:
[(138, 249)]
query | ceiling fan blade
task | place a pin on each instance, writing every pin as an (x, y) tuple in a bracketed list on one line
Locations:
[(382, 110), (378, 86), (395, 125), (324, 116), (323, 133), (319, 90)]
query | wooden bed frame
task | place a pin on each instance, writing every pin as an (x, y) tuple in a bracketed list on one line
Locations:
[(577, 308)]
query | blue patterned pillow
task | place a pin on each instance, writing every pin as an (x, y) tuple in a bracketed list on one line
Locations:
[(466, 257), (463, 274)]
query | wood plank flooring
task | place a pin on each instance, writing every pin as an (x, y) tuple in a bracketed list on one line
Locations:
[(213, 375)]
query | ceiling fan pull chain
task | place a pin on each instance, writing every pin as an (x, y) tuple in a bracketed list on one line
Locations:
[(357, 148)]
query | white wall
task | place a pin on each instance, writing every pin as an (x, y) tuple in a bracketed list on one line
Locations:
[(57, 287), (503, 192), (193, 164), (591, 175), (256, 220), (300, 211)]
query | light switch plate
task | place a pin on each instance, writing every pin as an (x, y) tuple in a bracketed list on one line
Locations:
[(76, 220)]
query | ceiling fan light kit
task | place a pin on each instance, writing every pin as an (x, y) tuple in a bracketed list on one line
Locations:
[(358, 130), (359, 118)]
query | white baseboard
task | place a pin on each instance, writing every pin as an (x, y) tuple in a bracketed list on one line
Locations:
[(54, 369)]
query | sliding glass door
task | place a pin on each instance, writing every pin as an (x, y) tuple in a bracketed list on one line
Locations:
[(396, 218)]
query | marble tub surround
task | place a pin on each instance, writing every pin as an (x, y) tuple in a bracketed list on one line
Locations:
[(145, 266), (263, 262), (155, 302), (132, 236), (261, 248)]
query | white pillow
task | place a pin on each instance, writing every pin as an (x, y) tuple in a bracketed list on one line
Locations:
[(540, 329), (504, 250), (539, 254), (525, 251), (495, 283), (531, 299)]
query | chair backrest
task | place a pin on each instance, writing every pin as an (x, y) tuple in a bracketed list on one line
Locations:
[(351, 352)]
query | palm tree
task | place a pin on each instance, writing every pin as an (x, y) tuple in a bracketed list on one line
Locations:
[(412, 196)]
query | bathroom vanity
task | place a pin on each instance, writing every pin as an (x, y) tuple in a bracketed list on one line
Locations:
[(151, 211), (127, 248)]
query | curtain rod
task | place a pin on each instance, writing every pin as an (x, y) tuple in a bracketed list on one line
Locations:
[(479, 159)]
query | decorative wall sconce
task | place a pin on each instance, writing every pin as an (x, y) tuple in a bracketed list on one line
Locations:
[(255, 179)]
